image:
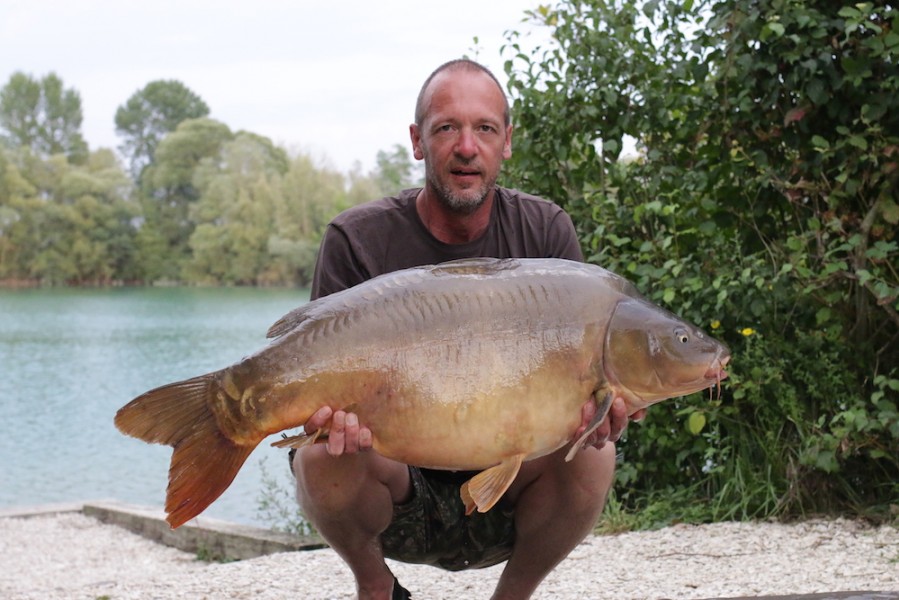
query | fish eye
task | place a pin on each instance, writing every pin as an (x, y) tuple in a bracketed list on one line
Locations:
[(682, 336)]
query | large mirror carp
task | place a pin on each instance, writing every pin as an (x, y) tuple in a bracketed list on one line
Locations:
[(469, 365)]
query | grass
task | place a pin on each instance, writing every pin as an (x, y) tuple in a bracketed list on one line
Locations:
[(277, 507)]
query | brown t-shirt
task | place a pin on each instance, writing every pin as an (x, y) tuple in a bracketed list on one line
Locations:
[(387, 235)]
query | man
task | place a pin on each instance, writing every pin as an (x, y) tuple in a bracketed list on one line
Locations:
[(368, 507)]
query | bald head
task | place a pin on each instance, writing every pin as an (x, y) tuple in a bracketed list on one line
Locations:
[(461, 64)]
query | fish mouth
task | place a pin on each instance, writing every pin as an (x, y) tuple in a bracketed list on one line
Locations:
[(716, 370), (716, 373)]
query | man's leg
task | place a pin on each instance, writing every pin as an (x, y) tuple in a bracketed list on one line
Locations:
[(350, 501), (557, 504)]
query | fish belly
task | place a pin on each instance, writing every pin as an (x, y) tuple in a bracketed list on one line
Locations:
[(458, 402)]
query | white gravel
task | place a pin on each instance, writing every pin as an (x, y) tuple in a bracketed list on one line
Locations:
[(71, 556)]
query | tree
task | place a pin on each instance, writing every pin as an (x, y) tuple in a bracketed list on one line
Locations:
[(65, 224), (395, 170), (239, 191), (43, 116), (763, 205), (313, 194), (168, 191), (149, 114)]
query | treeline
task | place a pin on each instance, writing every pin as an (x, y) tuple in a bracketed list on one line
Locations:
[(196, 203), (764, 206)]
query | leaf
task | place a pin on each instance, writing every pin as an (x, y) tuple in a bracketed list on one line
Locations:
[(816, 93), (856, 67), (772, 30), (892, 40), (707, 227), (696, 423), (820, 142), (610, 146), (890, 211), (858, 141), (826, 461)]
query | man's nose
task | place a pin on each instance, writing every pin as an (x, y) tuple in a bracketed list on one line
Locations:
[(467, 143)]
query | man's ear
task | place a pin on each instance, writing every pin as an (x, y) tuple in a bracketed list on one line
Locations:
[(415, 136)]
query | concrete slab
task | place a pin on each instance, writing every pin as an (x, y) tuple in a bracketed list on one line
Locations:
[(42, 510), (210, 539)]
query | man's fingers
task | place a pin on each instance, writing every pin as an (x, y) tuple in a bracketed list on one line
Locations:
[(345, 434), (318, 420), (617, 419), (351, 434), (612, 426), (600, 434), (587, 412), (364, 438), (337, 433)]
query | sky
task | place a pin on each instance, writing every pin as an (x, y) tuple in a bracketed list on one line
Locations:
[(336, 79)]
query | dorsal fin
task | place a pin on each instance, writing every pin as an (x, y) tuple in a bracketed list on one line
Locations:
[(474, 266), (288, 321)]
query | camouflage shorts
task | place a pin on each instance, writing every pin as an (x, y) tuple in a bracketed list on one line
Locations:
[(431, 528)]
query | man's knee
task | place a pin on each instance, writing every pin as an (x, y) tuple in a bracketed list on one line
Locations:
[(584, 481), (341, 481), (590, 477)]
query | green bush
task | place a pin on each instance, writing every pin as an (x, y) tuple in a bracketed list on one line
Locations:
[(762, 207)]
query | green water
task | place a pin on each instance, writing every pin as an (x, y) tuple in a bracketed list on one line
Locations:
[(70, 358)]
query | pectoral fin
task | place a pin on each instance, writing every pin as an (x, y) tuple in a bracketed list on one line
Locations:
[(319, 436), (486, 488), (601, 411), (302, 440)]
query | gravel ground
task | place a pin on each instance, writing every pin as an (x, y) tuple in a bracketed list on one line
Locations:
[(71, 556)]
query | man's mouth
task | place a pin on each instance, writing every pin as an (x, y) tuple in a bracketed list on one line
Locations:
[(463, 172)]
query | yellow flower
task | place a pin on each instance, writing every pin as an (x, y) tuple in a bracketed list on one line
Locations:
[(747, 331), (716, 324)]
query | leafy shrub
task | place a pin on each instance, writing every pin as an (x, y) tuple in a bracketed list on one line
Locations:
[(762, 207)]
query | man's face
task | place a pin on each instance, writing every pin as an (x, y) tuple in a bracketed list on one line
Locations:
[(463, 138)]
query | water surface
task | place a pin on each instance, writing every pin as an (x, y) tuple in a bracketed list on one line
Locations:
[(70, 358)]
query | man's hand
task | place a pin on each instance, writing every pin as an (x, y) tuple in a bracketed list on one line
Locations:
[(345, 434), (613, 425)]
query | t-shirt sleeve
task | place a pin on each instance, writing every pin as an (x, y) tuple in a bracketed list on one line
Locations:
[(337, 267), (562, 240)]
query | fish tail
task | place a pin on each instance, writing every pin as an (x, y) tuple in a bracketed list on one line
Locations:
[(204, 462)]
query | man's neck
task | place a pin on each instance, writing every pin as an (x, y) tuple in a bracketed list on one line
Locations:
[(451, 227)]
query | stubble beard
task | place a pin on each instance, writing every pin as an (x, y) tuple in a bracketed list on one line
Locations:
[(464, 202)]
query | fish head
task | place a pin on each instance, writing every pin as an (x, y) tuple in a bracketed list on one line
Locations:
[(651, 354)]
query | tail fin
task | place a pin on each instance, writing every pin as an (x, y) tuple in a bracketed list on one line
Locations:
[(204, 461)]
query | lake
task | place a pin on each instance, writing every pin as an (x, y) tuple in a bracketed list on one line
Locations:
[(69, 359)]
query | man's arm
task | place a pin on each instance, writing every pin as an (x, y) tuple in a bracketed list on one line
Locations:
[(337, 266)]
